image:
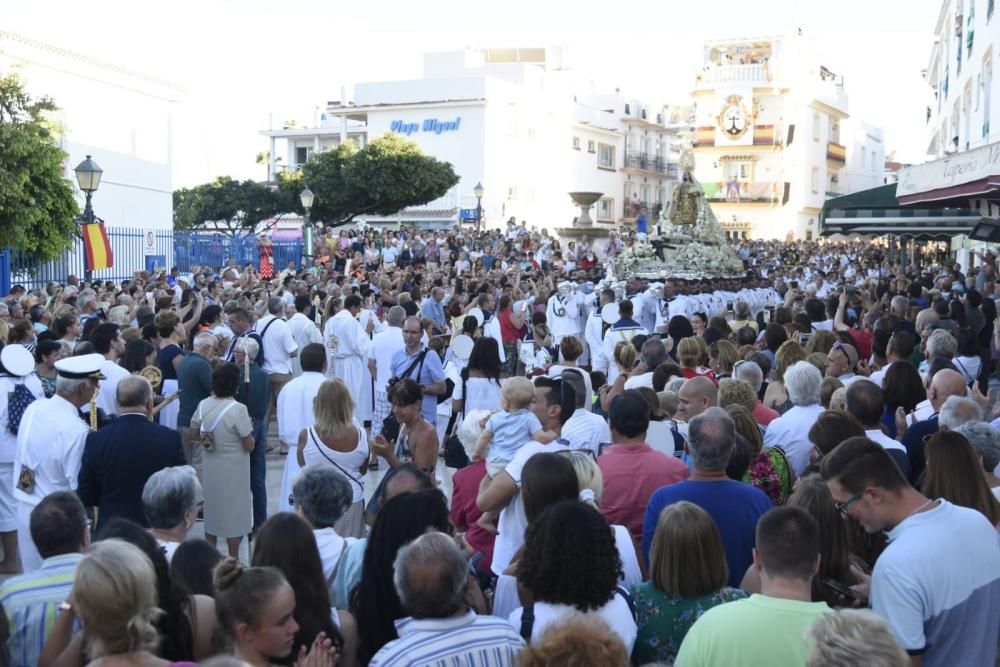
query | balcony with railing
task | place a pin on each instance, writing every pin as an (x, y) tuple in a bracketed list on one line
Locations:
[(737, 192), (654, 163), (753, 74)]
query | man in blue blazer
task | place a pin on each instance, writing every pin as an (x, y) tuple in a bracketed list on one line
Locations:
[(118, 459)]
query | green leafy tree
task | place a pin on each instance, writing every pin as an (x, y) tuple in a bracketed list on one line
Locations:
[(386, 176), (227, 205), (37, 206)]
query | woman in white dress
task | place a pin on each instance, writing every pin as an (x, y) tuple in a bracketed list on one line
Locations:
[(336, 440)]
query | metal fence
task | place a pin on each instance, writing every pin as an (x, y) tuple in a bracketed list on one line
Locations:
[(215, 250), (131, 249), (138, 249)]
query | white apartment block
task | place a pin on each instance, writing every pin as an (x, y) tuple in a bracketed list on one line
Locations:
[(521, 122), (774, 138), (121, 117), (961, 115)]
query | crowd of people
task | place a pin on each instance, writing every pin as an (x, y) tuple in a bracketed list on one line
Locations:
[(499, 449)]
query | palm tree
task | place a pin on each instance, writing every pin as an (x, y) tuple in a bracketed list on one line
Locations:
[(264, 158)]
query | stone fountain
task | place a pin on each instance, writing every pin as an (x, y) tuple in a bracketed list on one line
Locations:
[(585, 200), (584, 224)]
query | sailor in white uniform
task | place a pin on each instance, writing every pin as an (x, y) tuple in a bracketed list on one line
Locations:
[(562, 313), (50, 444), (16, 369), (594, 332), (623, 330)]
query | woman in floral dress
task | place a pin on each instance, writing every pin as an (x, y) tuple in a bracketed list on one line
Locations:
[(688, 573)]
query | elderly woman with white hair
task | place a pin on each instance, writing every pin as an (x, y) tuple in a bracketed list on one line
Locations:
[(940, 343), (170, 500), (322, 497), (790, 431)]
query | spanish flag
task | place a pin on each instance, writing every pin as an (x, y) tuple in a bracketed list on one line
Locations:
[(97, 246)]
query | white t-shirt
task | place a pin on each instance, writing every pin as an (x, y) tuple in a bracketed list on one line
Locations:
[(107, 396), (168, 548), (638, 381), (512, 522), (937, 585), (278, 344), (384, 347), (615, 613)]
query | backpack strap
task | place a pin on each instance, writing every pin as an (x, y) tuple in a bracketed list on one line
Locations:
[(527, 621), (620, 590)]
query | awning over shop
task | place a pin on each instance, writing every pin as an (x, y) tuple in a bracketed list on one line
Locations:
[(971, 174), (877, 212)]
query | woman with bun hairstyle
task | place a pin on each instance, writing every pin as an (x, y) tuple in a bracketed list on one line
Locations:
[(256, 609)]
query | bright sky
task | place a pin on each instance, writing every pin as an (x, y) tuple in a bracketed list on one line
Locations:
[(241, 60)]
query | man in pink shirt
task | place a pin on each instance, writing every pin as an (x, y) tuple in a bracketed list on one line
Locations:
[(632, 469)]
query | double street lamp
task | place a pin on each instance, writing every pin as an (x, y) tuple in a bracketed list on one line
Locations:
[(479, 191), (307, 197), (88, 177)]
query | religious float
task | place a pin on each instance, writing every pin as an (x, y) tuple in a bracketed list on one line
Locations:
[(689, 245)]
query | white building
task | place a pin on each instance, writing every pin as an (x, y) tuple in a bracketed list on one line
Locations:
[(520, 122), (120, 117), (961, 115), (773, 137)]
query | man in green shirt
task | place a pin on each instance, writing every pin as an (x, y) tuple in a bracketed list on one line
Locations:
[(766, 629)]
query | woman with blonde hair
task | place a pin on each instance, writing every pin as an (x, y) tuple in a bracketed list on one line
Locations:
[(722, 356), (688, 573), (114, 596), (854, 637), (624, 357), (821, 341), (591, 481), (691, 353), (337, 441), (776, 397)]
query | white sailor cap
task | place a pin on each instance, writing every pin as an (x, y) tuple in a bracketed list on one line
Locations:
[(83, 366), (16, 360)]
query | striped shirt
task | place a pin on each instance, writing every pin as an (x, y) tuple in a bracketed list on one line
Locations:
[(31, 602), (585, 430), (468, 640)]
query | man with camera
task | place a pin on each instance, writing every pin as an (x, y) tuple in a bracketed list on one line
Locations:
[(416, 362)]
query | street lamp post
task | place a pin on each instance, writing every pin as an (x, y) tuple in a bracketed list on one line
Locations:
[(306, 197), (479, 191), (88, 177)]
